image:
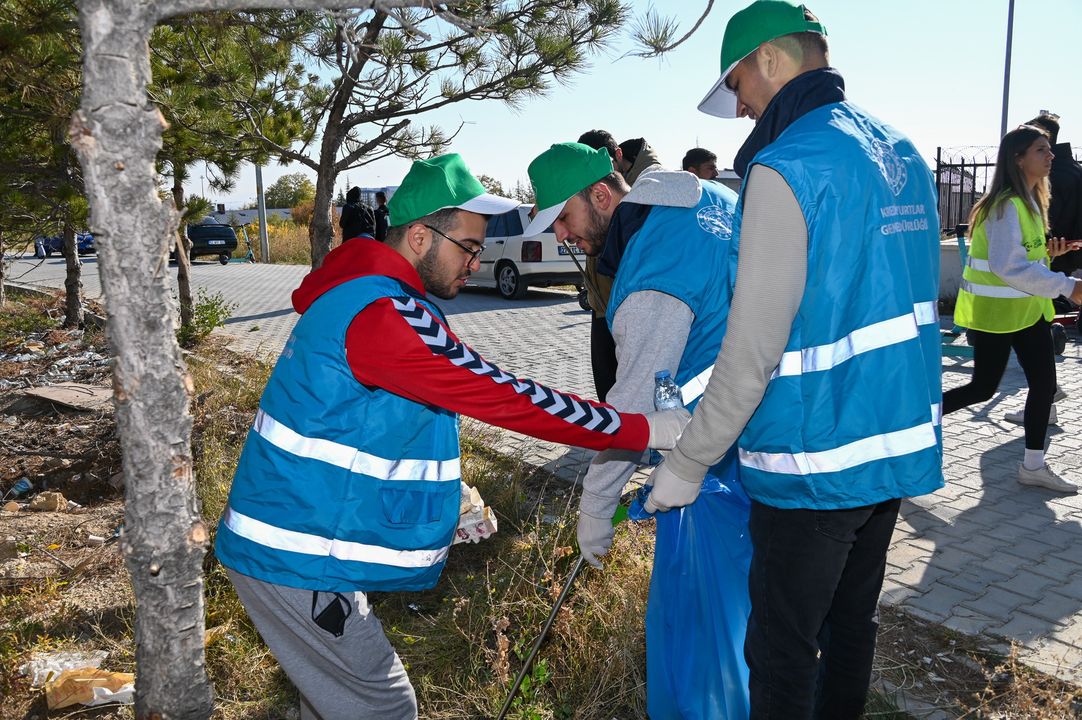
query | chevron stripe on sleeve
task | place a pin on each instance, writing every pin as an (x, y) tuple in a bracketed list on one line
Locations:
[(568, 408)]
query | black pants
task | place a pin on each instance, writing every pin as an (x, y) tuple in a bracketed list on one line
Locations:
[(991, 351), (602, 357), (814, 582)]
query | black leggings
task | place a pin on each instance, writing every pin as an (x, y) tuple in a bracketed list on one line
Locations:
[(991, 351)]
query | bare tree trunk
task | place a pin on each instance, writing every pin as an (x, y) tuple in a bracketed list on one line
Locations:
[(321, 229), (184, 258), (117, 135), (73, 286), (3, 271)]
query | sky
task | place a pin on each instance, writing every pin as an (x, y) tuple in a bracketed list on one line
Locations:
[(931, 68)]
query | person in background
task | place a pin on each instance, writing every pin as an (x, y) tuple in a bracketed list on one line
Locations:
[(1064, 221), (636, 158), (382, 214), (701, 163), (1006, 294), (350, 478), (1065, 184), (828, 379), (357, 218)]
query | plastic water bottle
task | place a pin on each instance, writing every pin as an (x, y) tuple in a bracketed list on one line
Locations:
[(666, 392), (666, 397), (16, 491)]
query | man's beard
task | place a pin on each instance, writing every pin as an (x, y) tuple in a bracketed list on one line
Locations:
[(429, 270), (596, 232)]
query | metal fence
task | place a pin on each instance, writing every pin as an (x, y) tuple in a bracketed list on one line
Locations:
[(962, 175)]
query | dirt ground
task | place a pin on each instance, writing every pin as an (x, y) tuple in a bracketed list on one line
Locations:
[(61, 572)]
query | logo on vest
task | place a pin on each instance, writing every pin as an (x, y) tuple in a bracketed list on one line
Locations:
[(890, 165), (716, 221)]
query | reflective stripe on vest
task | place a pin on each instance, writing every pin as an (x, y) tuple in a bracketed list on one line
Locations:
[(865, 450), (979, 265), (996, 291), (292, 541), (351, 458), (694, 388), (824, 357), (993, 291), (985, 301), (870, 337)]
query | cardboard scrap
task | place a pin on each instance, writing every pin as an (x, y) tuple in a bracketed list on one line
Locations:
[(89, 686), (49, 501), (76, 395), (12, 506)]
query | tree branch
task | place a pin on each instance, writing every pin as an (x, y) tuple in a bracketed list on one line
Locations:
[(656, 33)]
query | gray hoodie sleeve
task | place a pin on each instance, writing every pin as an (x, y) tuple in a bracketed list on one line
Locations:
[(650, 329), (1007, 257), (770, 276)]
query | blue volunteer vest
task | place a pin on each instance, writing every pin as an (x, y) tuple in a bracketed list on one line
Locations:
[(685, 252), (342, 487), (851, 415)]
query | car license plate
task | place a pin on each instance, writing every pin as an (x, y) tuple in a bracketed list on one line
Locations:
[(215, 242), (562, 250)]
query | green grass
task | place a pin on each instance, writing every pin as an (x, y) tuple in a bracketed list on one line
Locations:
[(25, 315)]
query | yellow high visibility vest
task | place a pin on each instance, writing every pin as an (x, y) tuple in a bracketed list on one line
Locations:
[(987, 303)]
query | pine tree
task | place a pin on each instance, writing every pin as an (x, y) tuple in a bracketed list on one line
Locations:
[(40, 180), (200, 62), (387, 67)]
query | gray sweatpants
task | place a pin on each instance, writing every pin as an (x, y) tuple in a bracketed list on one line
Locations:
[(357, 675)]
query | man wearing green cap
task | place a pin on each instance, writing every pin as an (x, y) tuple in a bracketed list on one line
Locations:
[(669, 239), (828, 381), (350, 479)]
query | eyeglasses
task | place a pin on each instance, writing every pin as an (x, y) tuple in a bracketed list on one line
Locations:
[(474, 254)]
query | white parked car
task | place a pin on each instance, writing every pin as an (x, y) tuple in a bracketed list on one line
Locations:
[(512, 263)]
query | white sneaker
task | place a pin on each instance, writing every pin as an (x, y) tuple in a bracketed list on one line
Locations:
[(1019, 417), (1045, 478)]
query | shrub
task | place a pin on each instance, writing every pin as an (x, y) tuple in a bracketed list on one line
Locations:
[(303, 212), (209, 311)]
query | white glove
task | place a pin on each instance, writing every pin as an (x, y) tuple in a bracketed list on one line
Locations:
[(665, 427), (595, 537), (670, 490)]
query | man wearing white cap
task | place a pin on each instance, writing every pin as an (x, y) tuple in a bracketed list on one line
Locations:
[(350, 477), (828, 379)]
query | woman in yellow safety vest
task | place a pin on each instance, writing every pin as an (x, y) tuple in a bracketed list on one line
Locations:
[(1006, 294)]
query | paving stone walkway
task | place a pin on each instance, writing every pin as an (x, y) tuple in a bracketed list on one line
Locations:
[(983, 555)]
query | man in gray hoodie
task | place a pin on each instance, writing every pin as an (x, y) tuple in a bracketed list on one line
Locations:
[(657, 237), (665, 241)]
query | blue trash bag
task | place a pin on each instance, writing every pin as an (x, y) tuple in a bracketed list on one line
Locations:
[(698, 607)]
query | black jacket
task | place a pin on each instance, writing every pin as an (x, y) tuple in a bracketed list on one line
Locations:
[(382, 214), (1065, 210), (357, 219)]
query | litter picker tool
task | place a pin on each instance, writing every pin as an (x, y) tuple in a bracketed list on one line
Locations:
[(620, 516), (541, 638)]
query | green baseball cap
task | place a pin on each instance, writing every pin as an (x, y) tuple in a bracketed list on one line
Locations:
[(560, 172), (439, 183), (760, 22)]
